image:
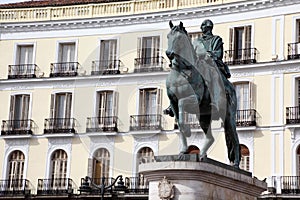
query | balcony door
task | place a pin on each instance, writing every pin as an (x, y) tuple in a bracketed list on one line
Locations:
[(108, 54), (19, 111), (244, 96), (24, 60), (107, 108), (58, 173), (61, 106), (148, 50), (240, 43), (66, 58), (16, 170), (101, 163)]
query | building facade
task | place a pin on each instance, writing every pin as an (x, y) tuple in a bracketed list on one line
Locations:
[(83, 92)]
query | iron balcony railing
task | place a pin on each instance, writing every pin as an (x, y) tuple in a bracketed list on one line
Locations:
[(22, 71), (92, 185), (64, 69), (17, 127), (293, 115), (55, 186), (190, 120), (103, 67), (137, 185), (293, 50), (246, 117), (241, 56), (290, 184), (15, 187), (145, 122), (102, 124), (149, 64), (59, 125)]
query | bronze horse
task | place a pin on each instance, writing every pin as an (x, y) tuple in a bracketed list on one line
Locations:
[(188, 92)]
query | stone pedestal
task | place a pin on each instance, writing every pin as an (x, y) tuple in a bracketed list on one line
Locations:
[(205, 180)]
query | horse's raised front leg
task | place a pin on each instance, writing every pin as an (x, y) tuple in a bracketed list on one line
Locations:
[(205, 123)]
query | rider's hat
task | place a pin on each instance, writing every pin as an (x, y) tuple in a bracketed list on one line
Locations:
[(208, 23)]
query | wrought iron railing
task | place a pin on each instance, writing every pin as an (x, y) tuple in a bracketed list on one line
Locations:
[(55, 186), (145, 122), (293, 50), (22, 71), (59, 125), (149, 64), (15, 187), (137, 185), (102, 67), (293, 115), (93, 185), (241, 56), (17, 127), (64, 69), (246, 117), (290, 184), (102, 124)]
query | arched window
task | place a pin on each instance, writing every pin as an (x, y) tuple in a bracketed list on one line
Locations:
[(16, 162), (245, 159), (192, 149), (101, 162), (145, 155), (298, 160), (59, 163)]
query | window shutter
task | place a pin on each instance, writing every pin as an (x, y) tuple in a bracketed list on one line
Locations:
[(247, 42), (68, 104), (12, 107), (139, 47), (231, 42), (90, 167), (116, 103), (52, 106), (159, 101), (25, 106)]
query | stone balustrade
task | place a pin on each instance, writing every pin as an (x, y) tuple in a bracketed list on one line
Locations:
[(101, 9)]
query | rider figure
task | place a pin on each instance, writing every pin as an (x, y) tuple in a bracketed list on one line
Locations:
[(213, 45)]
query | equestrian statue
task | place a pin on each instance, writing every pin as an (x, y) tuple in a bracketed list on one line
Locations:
[(198, 84)]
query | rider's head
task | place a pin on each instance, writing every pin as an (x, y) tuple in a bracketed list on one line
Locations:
[(207, 25)]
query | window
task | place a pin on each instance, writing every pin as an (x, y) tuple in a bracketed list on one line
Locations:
[(240, 43), (61, 105), (24, 54), (101, 163), (243, 93), (297, 92), (19, 111), (106, 103), (16, 162), (150, 101), (298, 161), (245, 159), (58, 174), (194, 36), (148, 50), (108, 54), (66, 52), (145, 155), (297, 30)]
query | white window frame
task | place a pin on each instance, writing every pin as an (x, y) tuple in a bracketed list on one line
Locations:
[(58, 43), (16, 48)]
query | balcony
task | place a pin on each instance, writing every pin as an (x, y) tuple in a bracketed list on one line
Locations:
[(292, 115), (104, 67), (55, 187), (149, 64), (59, 125), (102, 124), (245, 118), (64, 69), (137, 185), (241, 56), (22, 71), (17, 127), (145, 122), (191, 120), (91, 185), (293, 51), (15, 187)]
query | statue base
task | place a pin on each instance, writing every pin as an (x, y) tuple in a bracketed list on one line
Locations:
[(208, 179)]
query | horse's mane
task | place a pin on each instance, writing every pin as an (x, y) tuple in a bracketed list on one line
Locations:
[(180, 29)]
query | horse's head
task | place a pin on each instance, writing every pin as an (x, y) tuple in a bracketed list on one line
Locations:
[(179, 44)]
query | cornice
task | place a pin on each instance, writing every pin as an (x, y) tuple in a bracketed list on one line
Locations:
[(156, 17)]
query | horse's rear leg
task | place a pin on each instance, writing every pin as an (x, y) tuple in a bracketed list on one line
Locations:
[(205, 123)]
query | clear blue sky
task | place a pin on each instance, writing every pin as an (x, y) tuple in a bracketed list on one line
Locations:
[(11, 1)]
